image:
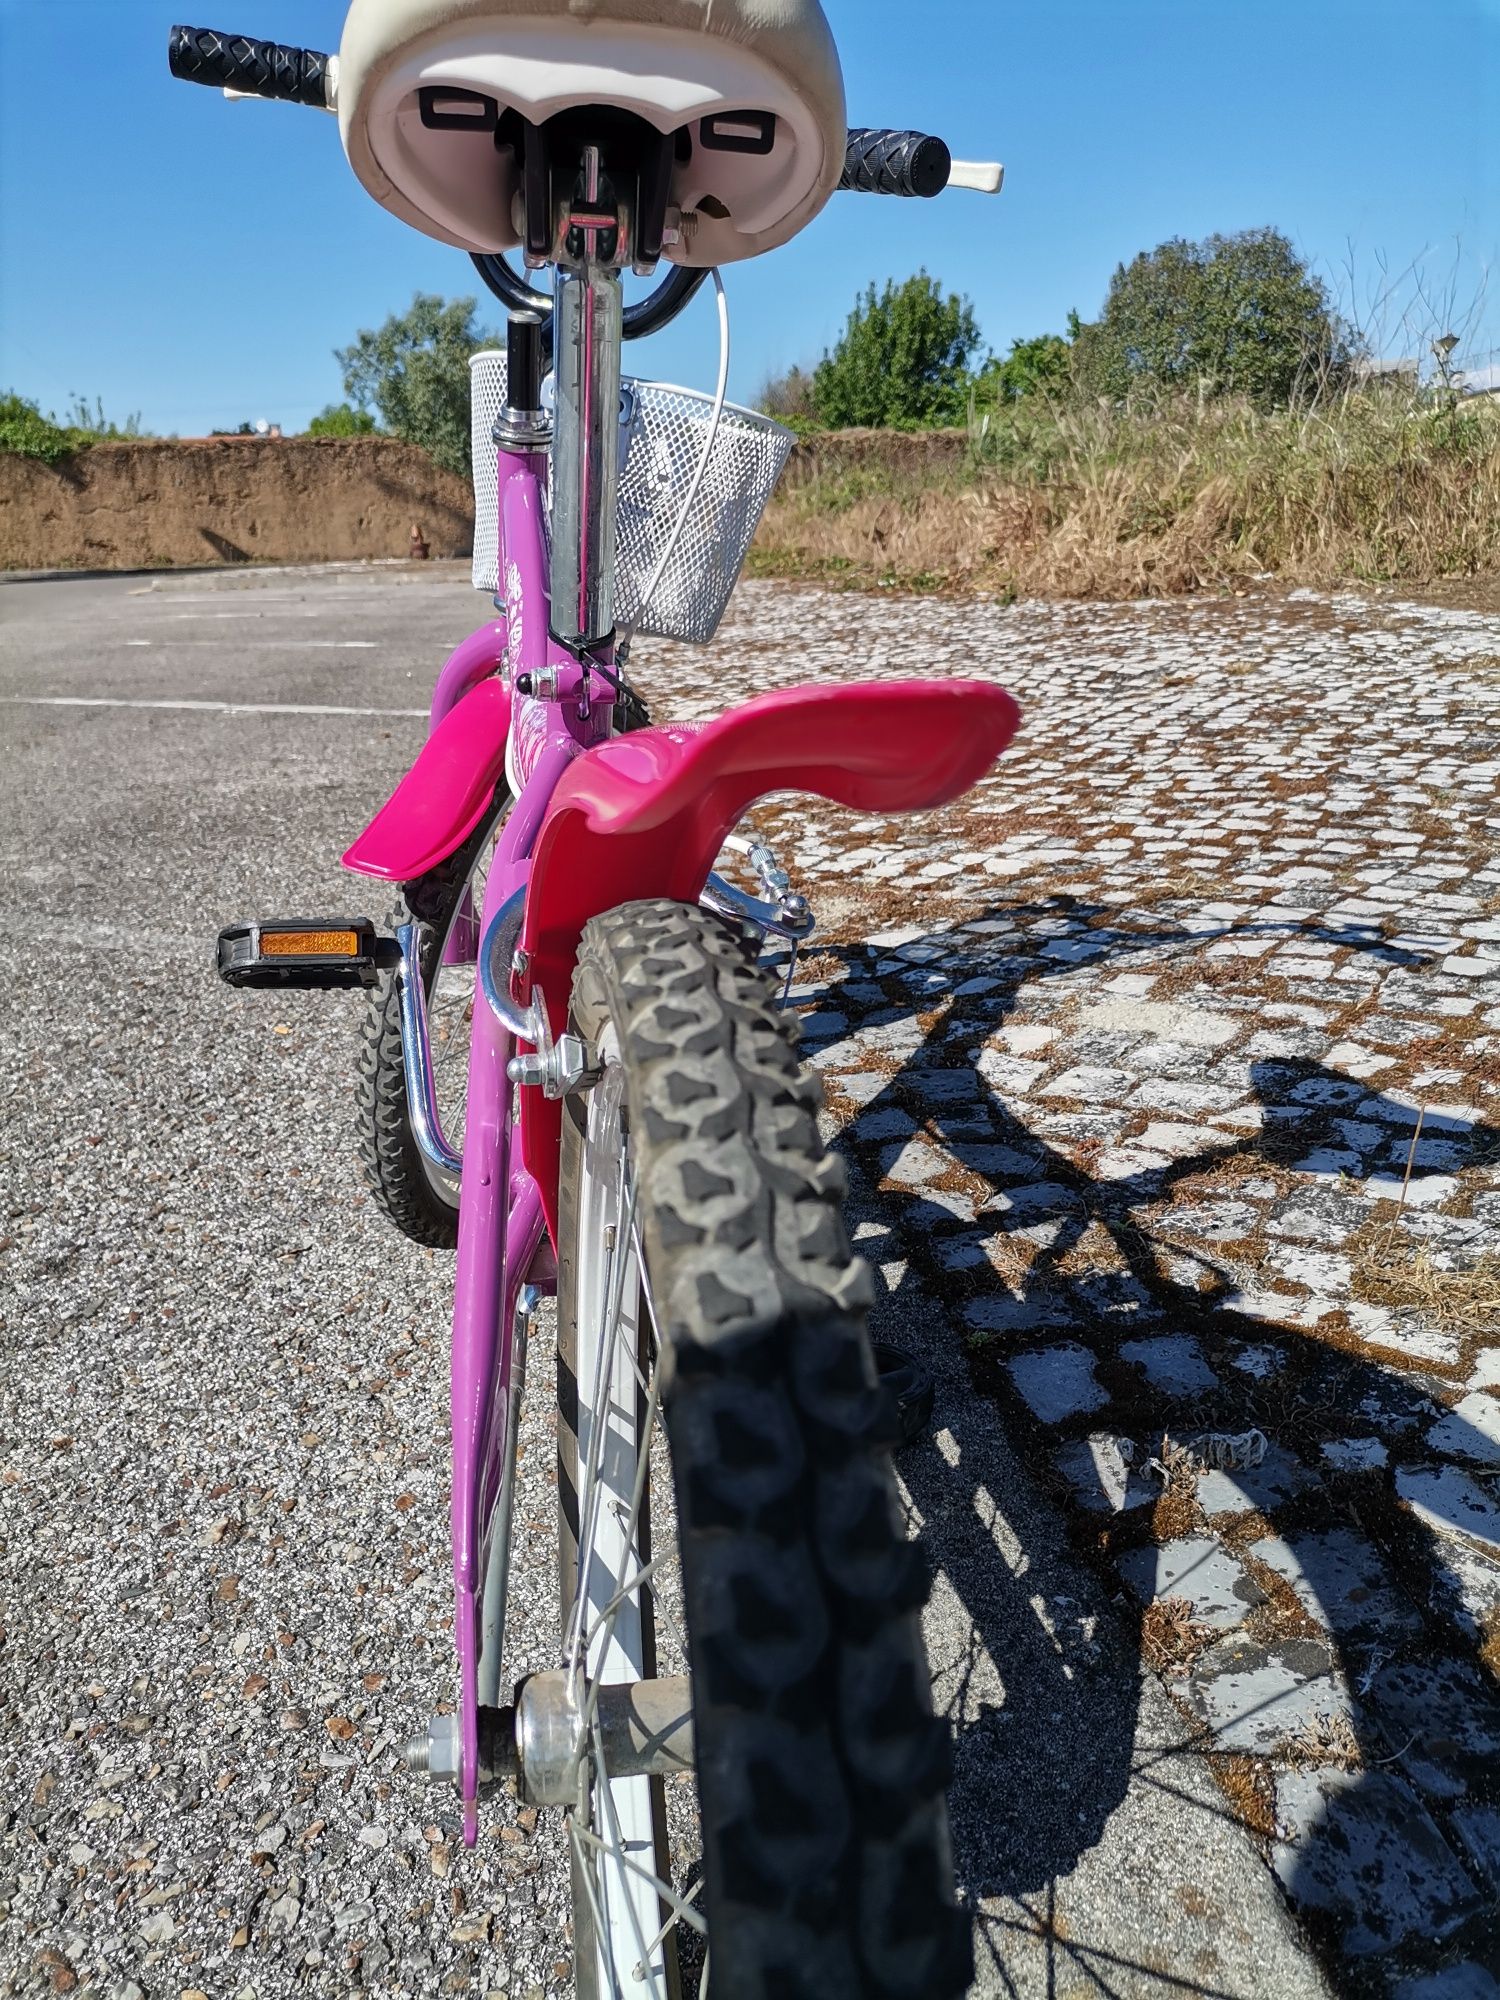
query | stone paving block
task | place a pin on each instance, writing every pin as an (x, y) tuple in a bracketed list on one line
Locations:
[(1254, 1697), (1183, 1142), (1199, 1570), (1360, 1847), (1465, 1981), (887, 1123), (1057, 1382), (916, 1164), (1405, 1333), (1254, 1488), (1448, 1499), (1442, 1721), (1164, 1093), (1165, 1019), (822, 1026), (1172, 1362), (1423, 1191), (1320, 1270), (1213, 1221), (1471, 1430), (1011, 1075), (1466, 1587), (861, 1085), (948, 1086), (1340, 1581), (1085, 1085), (1103, 1476), (1259, 1363), (1355, 1454), (1319, 1215), (1478, 1830)]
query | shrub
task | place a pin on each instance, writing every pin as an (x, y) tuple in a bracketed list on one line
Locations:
[(902, 361), (25, 430), (342, 420), (1233, 315)]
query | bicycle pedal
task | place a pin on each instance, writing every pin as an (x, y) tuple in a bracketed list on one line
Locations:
[(322, 955)]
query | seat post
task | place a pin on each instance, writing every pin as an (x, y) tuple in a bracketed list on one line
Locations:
[(586, 451)]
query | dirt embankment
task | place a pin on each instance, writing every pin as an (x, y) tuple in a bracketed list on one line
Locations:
[(170, 504)]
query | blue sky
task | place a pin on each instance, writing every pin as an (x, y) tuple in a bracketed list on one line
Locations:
[(197, 261)]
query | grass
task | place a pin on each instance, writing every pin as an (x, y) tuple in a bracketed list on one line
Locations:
[(25, 431), (1464, 1301), (1080, 499)]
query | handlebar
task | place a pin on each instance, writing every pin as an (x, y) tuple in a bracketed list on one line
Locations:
[(877, 161), (251, 68), (900, 163)]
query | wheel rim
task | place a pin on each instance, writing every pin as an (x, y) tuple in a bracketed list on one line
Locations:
[(626, 1603), (450, 1017)]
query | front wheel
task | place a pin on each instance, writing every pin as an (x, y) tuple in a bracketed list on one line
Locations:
[(710, 1311)]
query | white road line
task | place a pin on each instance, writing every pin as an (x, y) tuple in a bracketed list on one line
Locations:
[(202, 707)]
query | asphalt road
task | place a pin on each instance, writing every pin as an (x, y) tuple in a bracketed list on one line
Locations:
[(223, 1501)]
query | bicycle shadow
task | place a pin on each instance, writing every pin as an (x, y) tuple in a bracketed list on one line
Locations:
[(1321, 1637)]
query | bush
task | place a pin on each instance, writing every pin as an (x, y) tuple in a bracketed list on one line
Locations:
[(1233, 315), (902, 362), (414, 372), (25, 430), (342, 420), (789, 399), (1042, 366)]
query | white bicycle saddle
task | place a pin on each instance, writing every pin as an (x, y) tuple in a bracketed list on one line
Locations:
[(752, 89)]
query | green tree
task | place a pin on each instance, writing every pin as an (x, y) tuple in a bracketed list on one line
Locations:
[(414, 373), (341, 420), (1040, 366), (902, 361), (1239, 315)]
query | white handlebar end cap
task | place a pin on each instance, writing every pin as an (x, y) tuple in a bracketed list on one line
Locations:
[(981, 176)]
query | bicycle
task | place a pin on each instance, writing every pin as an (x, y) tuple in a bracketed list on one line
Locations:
[(577, 1072)]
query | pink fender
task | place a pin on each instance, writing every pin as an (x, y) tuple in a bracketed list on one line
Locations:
[(444, 795), (646, 814)]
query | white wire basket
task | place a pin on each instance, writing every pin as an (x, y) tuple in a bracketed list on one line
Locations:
[(663, 434)]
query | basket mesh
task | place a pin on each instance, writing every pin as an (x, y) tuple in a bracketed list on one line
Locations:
[(665, 443)]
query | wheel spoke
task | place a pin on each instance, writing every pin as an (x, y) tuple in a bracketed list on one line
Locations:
[(617, 1827), (681, 1906), (617, 1853)]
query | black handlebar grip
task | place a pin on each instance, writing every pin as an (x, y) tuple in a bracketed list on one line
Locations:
[(909, 163), (260, 69)]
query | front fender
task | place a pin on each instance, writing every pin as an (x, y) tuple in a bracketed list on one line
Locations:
[(646, 815), (444, 795)]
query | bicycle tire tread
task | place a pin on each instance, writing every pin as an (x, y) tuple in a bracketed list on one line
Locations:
[(822, 1768)]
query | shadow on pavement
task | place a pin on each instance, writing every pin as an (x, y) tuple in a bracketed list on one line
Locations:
[(1299, 1614)]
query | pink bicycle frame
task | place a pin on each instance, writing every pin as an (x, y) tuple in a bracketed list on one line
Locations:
[(598, 821)]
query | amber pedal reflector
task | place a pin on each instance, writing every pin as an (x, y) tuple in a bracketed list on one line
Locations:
[(309, 944)]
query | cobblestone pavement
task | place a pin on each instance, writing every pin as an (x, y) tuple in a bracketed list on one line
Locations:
[(1166, 1071), (1172, 1065)]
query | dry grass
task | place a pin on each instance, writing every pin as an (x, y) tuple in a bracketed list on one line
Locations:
[(1083, 500), (1323, 1740), (1169, 1638), (1465, 1301), (1247, 1784)]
